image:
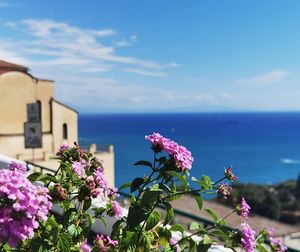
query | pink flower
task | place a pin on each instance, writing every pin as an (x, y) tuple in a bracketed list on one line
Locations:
[(15, 166), (157, 140), (113, 193), (248, 238), (278, 245), (62, 149), (117, 209), (229, 175), (104, 242), (174, 243), (100, 179), (79, 169), (84, 247), (270, 231), (243, 209), (27, 205), (224, 190), (183, 158)]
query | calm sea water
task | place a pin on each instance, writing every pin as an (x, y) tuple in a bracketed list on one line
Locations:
[(262, 147)]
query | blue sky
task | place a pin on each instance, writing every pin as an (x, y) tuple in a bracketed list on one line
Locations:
[(159, 56)]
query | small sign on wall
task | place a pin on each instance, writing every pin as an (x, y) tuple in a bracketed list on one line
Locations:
[(33, 112), (33, 135)]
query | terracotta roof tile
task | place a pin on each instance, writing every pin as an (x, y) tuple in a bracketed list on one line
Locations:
[(7, 66)]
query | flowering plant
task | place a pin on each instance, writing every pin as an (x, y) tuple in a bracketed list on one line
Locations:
[(26, 224)]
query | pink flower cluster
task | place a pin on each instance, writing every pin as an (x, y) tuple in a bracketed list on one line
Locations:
[(104, 242), (181, 155), (15, 166), (61, 149), (243, 209), (278, 245), (84, 247), (79, 169), (224, 190), (229, 174), (22, 205), (116, 209), (248, 237)]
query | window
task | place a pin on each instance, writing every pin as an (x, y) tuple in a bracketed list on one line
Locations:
[(40, 110), (65, 131)]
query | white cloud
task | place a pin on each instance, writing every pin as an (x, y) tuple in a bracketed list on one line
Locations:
[(144, 72), (126, 42), (72, 55), (108, 95), (63, 41), (273, 77)]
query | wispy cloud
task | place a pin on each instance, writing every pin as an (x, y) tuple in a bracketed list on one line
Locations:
[(117, 95), (62, 41), (273, 77), (126, 42), (145, 72)]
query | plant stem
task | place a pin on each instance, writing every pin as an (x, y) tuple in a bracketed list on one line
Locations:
[(219, 181), (149, 178)]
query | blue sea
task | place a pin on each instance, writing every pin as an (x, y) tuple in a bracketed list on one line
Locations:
[(263, 148)]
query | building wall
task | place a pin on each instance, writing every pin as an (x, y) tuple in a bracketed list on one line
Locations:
[(17, 90), (63, 115), (14, 147)]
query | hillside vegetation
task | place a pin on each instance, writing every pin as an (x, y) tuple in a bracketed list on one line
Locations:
[(280, 201)]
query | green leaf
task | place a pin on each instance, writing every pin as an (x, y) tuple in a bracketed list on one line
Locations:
[(34, 176), (162, 160), (164, 236), (178, 176), (194, 226), (206, 239), (136, 215), (205, 182), (116, 228), (203, 247), (177, 227), (89, 218), (192, 246), (74, 231), (212, 214), (136, 183), (173, 196), (64, 242), (169, 213), (43, 177), (153, 220), (87, 204), (261, 248), (144, 163), (125, 185), (219, 233), (99, 211), (164, 187), (198, 199), (149, 198), (129, 239)]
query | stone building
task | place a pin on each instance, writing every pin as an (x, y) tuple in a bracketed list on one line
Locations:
[(56, 122)]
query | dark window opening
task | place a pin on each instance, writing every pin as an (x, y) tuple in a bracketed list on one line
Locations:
[(40, 110), (65, 131)]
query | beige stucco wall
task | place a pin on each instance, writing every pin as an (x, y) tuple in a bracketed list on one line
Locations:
[(61, 115), (13, 146), (109, 166), (17, 90)]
